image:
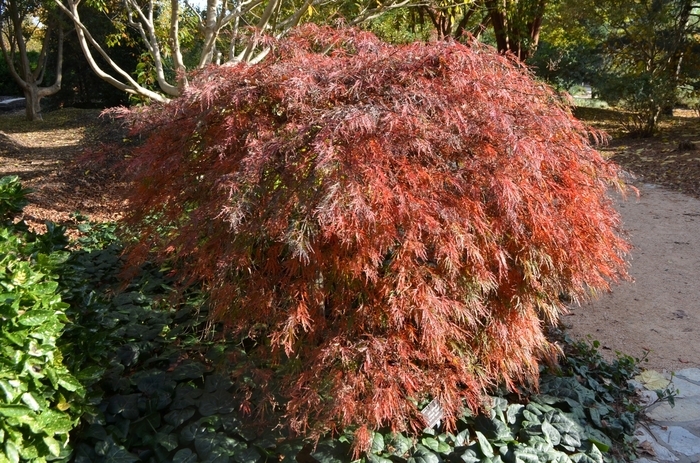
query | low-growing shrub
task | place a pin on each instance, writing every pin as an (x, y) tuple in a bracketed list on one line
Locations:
[(388, 224), (40, 400)]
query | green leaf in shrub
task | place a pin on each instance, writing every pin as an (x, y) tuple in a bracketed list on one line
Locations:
[(186, 395), (526, 455), (423, 455), (372, 458), (598, 438), (514, 412), (185, 456), (68, 382), (14, 410), (54, 422), (484, 445), (45, 288), (30, 401), (192, 431), (28, 451), (189, 370), (11, 452), (249, 455), (377, 443), (469, 456), (435, 445), (154, 380), (177, 417), (595, 416), (290, 449), (551, 433), (583, 458), (52, 445), (219, 401), (168, 441), (118, 454), (35, 317), (331, 451), (397, 444), (90, 374), (9, 391), (564, 424), (126, 405)]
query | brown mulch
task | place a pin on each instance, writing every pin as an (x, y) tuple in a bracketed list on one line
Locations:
[(670, 159), (57, 158)]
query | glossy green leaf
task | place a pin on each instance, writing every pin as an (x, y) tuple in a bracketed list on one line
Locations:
[(68, 382), (583, 458), (247, 455), (551, 433), (14, 410), (331, 451), (168, 441), (397, 444), (423, 455), (30, 401), (185, 456), (290, 450), (11, 452), (54, 422), (35, 317), (118, 454), (377, 443), (177, 417), (461, 438), (373, 458), (484, 445), (44, 288), (53, 445), (514, 412), (435, 445)]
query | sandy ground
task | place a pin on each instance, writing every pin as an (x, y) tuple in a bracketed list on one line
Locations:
[(659, 311)]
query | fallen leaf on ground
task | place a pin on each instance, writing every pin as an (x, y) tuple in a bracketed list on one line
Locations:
[(652, 380)]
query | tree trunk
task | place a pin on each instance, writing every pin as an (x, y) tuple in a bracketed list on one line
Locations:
[(521, 34), (33, 105), (27, 78)]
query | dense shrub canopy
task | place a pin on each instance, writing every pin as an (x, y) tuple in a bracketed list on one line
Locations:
[(395, 223)]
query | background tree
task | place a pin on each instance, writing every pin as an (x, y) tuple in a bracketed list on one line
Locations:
[(20, 20), (637, 55), (512, 26), (645, 54), (82, 87), (229, 31), (516, 25)]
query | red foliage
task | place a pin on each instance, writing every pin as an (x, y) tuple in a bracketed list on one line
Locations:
[(401, 219)]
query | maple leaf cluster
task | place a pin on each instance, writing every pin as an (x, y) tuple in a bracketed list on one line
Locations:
[(400, 220)]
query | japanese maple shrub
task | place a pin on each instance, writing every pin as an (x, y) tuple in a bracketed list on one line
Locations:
[(397, 222)]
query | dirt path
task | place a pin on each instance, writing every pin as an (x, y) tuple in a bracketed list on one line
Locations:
[(660, 310)]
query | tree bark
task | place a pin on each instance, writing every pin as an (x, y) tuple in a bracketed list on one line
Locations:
[(520, 35)]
